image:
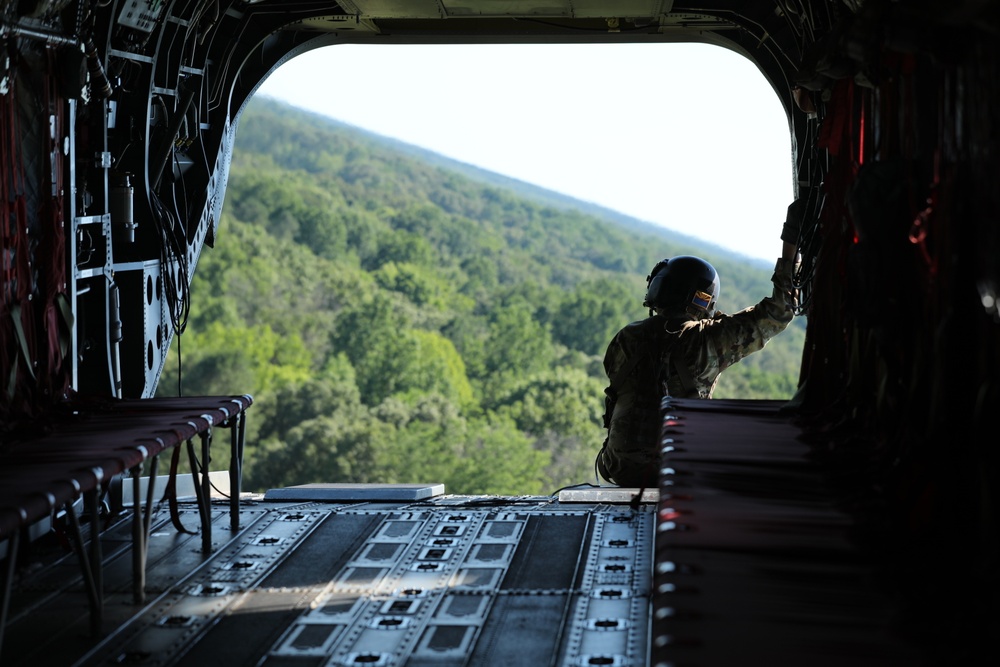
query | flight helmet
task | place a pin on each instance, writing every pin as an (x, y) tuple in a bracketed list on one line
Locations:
[(683, 284)]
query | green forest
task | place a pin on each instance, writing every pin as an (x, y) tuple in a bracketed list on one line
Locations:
[(402, 318)]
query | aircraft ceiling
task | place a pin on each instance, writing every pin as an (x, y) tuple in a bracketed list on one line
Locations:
[(120, 119)]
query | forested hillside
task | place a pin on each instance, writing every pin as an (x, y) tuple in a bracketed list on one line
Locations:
[(401, 318)]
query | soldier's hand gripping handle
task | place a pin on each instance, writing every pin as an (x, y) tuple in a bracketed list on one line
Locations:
[(793, 222), (784, 290)]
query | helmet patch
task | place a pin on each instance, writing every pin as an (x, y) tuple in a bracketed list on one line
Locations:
[(701, 299)]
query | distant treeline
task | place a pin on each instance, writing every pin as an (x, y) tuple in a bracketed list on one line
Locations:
[(401, 318)]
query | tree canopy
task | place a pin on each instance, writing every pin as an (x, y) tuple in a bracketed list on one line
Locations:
[(399, 318)]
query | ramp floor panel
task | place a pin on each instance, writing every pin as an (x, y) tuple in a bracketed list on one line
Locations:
[(744, 554), (532, 582)]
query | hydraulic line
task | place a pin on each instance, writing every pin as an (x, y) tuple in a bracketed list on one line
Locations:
[(180, 114)]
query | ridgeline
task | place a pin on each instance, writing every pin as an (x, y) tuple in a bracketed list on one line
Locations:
[(402, 317)]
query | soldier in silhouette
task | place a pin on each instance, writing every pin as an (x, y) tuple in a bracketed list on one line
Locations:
[(680, 350)]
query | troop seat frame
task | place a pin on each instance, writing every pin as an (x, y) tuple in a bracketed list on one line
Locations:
[(88, 442)]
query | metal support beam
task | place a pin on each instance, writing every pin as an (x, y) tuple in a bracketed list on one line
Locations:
[(153, 465), (138, 540), (90, 569), (204, 509), (13, 544), (92, 501), (237, 431), (206, 490)]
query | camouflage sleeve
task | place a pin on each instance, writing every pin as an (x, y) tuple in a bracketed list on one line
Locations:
[(711, 346), (783, 294), (615, 356)]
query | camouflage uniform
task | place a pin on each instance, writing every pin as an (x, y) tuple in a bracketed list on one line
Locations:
[(642, 363)]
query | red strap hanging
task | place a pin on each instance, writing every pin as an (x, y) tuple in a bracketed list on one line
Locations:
[(52, 249), (16, 320)]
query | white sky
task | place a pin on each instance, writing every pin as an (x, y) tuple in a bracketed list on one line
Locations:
[(687, 136)]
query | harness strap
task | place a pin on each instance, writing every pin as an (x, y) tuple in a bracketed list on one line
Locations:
[(684, 373)]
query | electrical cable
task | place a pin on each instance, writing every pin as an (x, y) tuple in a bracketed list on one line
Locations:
[(172, 259)]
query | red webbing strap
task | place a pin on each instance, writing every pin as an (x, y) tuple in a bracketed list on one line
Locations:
[(924, 220), (8, 237), (17, 323), (25, 326), (835, 128), (835, 230), (54, 377)]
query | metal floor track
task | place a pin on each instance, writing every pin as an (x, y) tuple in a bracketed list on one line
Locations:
[(452, 581), (744, 555)]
